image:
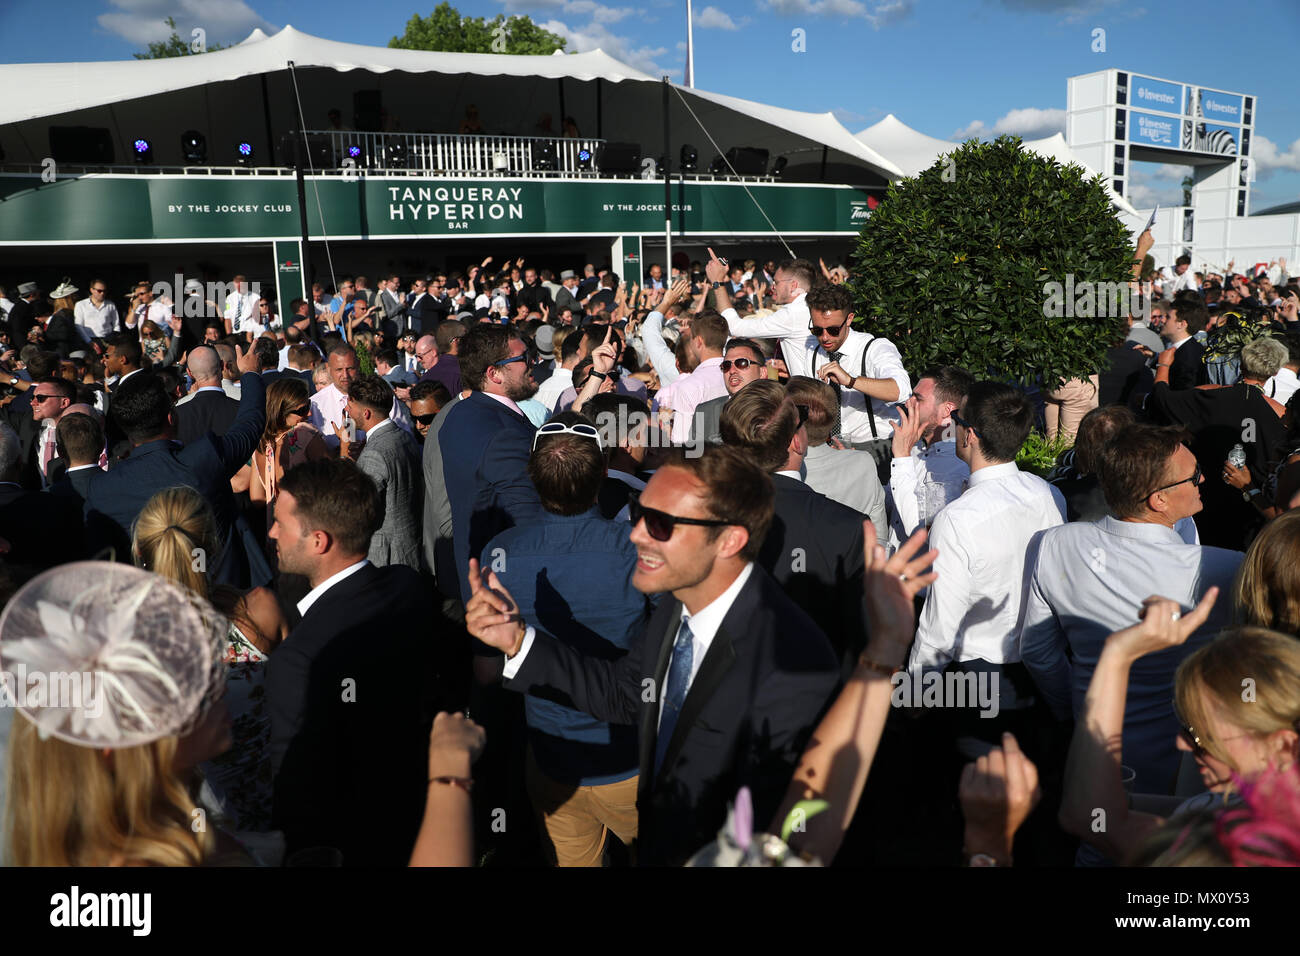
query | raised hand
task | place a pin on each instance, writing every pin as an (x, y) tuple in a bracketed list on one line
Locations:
[(492, 615), (605, 355), (715, 269), (890, 586), (908, 430), (997, 792), (1163, 625), (245, 361), (831, 372)]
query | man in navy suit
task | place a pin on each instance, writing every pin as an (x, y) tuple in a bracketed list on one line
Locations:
[(727, 680), (207, 408), (81, 441), (486, 442), (145, 414), (353, 691)]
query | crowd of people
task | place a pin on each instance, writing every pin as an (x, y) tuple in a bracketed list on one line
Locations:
[(677, 568)]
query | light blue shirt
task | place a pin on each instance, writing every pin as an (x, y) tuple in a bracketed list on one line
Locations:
[(1088, 580)]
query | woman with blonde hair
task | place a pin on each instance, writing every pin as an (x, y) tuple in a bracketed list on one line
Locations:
[(96, 773), (175, 536), (153, 342), (1268, 582), (1237, 699)]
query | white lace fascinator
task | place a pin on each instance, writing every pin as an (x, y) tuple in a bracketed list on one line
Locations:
[(107, 655)]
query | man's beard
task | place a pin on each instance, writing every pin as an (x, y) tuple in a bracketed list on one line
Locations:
[(525, 389)]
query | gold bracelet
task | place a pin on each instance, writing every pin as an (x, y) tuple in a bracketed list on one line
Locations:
[(882, 669)]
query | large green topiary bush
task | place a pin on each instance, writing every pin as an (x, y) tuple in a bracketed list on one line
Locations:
[(951, 265)]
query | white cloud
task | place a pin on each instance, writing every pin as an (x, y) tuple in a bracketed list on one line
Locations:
[(1148, 185), (1269, 158), (141, 21), (1072, 11), (1029, 123), (596, 36), (598, 11), (711, 18), (848, 118), (878, 13)]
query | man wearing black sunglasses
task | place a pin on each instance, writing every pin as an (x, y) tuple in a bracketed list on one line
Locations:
[(742, 363), (728, 677)]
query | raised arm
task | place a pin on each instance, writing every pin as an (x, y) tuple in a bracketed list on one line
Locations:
[(239, 442), (1094, 793)]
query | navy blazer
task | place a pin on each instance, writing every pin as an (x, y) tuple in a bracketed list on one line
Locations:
[(117, 496), (766, 680), (485, 449)]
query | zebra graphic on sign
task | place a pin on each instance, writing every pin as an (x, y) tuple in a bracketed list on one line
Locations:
[(1221, 141)]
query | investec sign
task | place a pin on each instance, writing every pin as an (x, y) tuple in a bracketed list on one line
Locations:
[(457, 207)]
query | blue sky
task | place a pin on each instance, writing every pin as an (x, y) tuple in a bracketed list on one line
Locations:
[(946, 67)]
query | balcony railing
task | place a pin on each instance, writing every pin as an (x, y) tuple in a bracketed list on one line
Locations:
[(454, 155)]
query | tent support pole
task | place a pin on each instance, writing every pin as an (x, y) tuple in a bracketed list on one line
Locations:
[(301, 141), (823, 173), (563, 114), (668, 187), (600, 113), (266, 114)]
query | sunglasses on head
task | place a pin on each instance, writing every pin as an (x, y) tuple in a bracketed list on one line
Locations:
[(740, 363), (559, 428), (660, 524), (825, 329)]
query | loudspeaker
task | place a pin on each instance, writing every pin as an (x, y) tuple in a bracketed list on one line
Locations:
[(92, 145), (748, 161), (367, 105), (619, 158)]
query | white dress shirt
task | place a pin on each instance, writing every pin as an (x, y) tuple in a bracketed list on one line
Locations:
[(315, 593), (867, 356), (329, 406), (550, 391), (1282, 386), (241, 310), (704, 626), (98, 322), (788, 323), (920, 485), (657, 350), (973, 610)]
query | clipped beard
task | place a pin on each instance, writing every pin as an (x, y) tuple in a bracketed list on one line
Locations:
[(526, 389)]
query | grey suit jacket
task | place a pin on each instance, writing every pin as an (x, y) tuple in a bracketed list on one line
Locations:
[(439, 553), (392, 460), (707, 422), (849, 477)]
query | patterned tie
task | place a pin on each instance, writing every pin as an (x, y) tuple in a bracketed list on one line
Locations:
[(836, 356), (679, 678), (48, 452)]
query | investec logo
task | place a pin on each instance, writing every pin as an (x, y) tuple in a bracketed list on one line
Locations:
[(858, 210), (457, 206)]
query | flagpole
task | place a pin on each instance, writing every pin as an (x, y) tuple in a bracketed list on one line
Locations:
[(690, 50)]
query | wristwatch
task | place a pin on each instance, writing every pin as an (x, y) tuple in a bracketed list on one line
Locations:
[(599, 376), (716, 285), (1250, 493)]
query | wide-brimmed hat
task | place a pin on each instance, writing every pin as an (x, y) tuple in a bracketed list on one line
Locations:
[(28, 288), (64, 288)]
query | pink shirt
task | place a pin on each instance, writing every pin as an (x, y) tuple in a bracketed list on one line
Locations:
[(683, 395)]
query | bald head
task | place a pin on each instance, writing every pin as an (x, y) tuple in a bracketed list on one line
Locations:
[(426, 350), (204, 366), (81, 409)]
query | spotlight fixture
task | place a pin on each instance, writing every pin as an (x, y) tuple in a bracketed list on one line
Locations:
[(690, 158), (584, 158), (194, 147), (500, 162), (718, 166), (779, 166), (143, 151), (245, 151), (354, 152), (397, 156), (545, 157)]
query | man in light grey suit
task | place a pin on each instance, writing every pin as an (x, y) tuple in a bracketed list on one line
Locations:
[(842, 474), (742, 363), (439, 554), (391, 459)]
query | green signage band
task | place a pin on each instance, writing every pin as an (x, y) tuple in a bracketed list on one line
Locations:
[(149, 208)]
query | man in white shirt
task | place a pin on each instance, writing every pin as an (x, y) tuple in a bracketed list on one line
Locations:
[(97, 315), (572, 351), (1183, 279), (925, 472), (329, 406), (1087, 580), (789, 323), (972, 614), (658, 351), (241, 309)]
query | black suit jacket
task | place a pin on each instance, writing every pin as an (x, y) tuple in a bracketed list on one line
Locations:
[(351, 759), (42, 529), (73, 485), (206, 412), (61, 334), (814, 551), (766, 679), (612, 497), (21, 318), (117, 496), (1188, 369)]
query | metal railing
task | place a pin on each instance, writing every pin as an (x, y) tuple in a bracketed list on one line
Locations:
[(453, 155)]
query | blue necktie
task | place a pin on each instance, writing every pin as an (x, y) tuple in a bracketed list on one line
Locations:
[(679, 678)]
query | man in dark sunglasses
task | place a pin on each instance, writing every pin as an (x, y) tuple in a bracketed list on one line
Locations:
[(742, 363), (725, 681)]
